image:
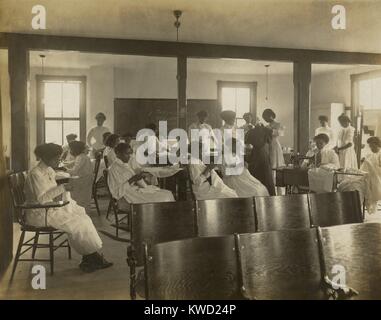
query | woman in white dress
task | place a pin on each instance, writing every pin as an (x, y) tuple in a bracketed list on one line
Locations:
[(82, 169), (206, 183), (41, 187), (276, 153), (345, 145), (372, 165), (111, 142), (126, 183), (244, 184)]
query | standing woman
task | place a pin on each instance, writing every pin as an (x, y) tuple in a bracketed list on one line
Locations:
[(41, 187), (345, 145), (276, 153), (258, 158), (83, 169), (372, 165)]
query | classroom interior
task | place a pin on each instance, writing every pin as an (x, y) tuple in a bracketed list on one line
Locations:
[(135, 72)]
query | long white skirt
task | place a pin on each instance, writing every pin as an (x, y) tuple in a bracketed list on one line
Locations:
[(72, 219), (150, 194), (245, 185), (276, 154), (348, 159)]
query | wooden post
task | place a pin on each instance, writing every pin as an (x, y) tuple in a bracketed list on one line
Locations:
[(182, 92), (302, 105), (18, 62), (6, 226)]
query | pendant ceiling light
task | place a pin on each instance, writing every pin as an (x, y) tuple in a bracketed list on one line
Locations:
[(42, 56), (267, 66), (177, 14)]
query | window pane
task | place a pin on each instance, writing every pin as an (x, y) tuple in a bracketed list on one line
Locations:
[(71, 126), (365, 96), (53, 99), (376, 94), (70, 100), (53, 131), (243, 101), (228, 98)]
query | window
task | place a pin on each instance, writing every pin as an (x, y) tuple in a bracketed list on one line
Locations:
[(61, 108), (239, 97), (370, 94)]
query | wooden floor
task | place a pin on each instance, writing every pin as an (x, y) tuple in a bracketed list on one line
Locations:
[(69, 282)]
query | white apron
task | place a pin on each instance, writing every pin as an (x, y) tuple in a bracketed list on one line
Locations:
[(41, 187)]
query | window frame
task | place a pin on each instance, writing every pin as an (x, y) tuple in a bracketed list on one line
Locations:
[(40, 108), (252, 85)]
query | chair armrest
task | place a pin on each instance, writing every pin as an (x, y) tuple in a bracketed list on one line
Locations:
[(56, 204)]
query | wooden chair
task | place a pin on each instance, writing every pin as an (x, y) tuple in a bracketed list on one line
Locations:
[(16, 183), (353, 254), (97, 183), (286, 264), (157, 222), (282, 212), (193, 269), (120, 213), (335, 208), (221, 217)]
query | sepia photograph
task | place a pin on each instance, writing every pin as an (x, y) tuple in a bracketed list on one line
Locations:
[(224, 150)]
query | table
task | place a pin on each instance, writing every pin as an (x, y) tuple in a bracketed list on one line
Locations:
[(291, 176)]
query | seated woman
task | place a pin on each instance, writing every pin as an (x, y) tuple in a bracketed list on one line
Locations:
[(323, 156), (83, 169), (111, 142), (244, 184), (206, 182), (41, 187), (372, 165), (125, 183)]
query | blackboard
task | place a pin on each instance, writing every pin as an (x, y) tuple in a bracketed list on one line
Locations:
[(131, 115)]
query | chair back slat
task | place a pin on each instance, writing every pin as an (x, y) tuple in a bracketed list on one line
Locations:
[(335, 208), (16, 186), (281, 265), (221, 217), (193, 269), (160, 222), (282, 212), (353, 254)]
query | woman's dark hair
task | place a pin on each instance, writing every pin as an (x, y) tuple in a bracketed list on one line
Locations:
[(268, 113), (202, 114), (122, 148), (77, 147), (105, 136), (151, 126), (100, 115), (228, 115), (111, 140), (246, 115), (48, 151), (344, 118), (71, 136), (322, 136), (323, 118), (374, 140)]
